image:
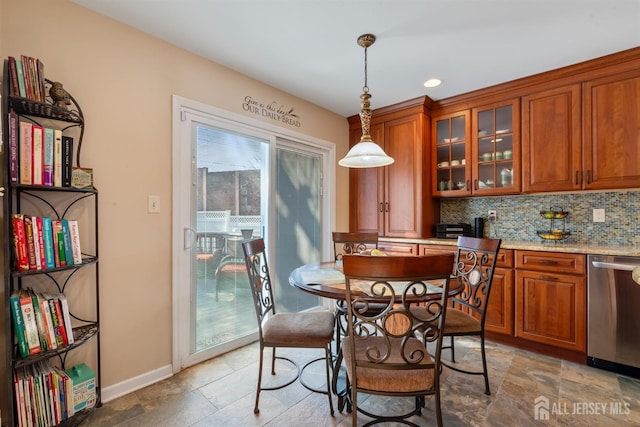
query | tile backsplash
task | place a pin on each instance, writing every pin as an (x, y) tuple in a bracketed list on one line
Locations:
[(519, 216)]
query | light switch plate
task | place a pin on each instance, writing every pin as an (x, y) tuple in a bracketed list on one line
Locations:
[(598, 215), (153, 204)]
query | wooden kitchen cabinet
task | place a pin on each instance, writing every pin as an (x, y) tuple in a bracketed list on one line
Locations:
[(551, 140), (612, 131), (394, 200), (395, 248), (500, 307), (451, 149), (550, 297)]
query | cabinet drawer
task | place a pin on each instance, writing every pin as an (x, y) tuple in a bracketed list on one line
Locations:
[(548, 261), (505, 256), (398, 248)]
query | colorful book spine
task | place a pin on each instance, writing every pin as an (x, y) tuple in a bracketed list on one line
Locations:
[(37, 159), (54, 235), (66, 235), (42, 329), (39, 238), (67, 160), (47, 238), (31, 244), (18, 325), (48, 323), (30, 326), (47, 161), (24, 154), (57, 158), (13, 75), (74, 231), (20, 72), (13, 147), (56, 321), (66, 315), (20, 243), (61, 326)]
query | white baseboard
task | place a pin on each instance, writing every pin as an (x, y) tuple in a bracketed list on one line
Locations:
[(136, 383)]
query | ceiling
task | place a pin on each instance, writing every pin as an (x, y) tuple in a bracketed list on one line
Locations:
[(308, 47)]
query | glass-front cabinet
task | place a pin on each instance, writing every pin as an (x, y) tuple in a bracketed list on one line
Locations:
[(496, 149), (452, 152)]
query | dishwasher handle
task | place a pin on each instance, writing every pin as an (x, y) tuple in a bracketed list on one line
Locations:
[(614, 265)]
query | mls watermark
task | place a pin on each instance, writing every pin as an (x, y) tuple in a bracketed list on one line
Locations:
[(543, 408)]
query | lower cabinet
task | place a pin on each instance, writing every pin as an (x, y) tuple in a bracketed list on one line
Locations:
[(551, 299), (393, 248), (500, 307)]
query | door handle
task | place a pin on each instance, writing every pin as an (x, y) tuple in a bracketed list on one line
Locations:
[(190, 237), (381, 208), (614, 265), (386, 206)]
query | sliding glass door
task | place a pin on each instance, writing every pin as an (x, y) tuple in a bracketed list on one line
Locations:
[(233, 183)]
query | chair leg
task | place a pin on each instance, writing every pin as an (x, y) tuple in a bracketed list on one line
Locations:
[(438, 408), (273, 361), (256, 410), (485, 373), (453, 350), (354, 407), (327, 353)]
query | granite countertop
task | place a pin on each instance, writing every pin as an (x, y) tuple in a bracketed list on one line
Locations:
[(575, 248)]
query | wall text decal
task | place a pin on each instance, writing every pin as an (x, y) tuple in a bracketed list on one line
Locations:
[(272, 110)]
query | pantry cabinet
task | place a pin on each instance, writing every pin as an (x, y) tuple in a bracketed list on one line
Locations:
[(394, 200)]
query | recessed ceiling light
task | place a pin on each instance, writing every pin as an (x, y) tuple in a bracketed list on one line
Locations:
[(432, 83)]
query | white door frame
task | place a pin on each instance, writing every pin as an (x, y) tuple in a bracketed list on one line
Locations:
[(181, 203)]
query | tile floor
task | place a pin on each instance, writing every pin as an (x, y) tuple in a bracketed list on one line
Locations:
[(221, 392)]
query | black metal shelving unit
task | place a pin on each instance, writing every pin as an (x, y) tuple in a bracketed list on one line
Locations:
[(56, 202)]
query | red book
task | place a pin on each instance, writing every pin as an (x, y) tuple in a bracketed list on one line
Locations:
[(60, 316), (20, 243), (31, 248)]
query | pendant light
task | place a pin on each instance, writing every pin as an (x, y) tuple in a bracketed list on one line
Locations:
[(366, 153)]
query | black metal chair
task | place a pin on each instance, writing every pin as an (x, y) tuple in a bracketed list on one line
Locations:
[(382, 352), (302, 330), (475, 265)]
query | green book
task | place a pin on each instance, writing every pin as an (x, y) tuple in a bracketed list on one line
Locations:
[(18, 324)]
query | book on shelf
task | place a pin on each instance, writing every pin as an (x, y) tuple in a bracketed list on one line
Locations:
[(31, 245), (13, 147), (20, 73), (29, 321), (38, 236), (41, 87), (47, 159), (37, 154), (25, 152), (48, 322), (57, 158), (13, 76), (67, 160), (24, 60), (74, 231), (54, 239), (58, 321), (66, 236), (20, 246), (18, 324), (66, 316), (47, 238), (42, 329), (58, 237)]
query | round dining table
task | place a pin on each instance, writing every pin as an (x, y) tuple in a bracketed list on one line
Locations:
[(326, 279)]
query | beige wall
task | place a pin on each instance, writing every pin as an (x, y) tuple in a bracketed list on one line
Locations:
[(124, 81)]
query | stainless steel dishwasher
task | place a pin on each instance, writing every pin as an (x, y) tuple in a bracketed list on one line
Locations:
[(613, 316)]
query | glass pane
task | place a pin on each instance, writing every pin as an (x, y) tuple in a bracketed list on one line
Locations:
[(298, 230), (229, 201), (504, 119), (457, 128), (485, 123), (442, 131)]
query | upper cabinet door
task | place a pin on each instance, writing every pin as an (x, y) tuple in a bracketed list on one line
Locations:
[(551, 140), (495, 150), (451, 169), (403, 140), (612, 133), (366, 189)]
